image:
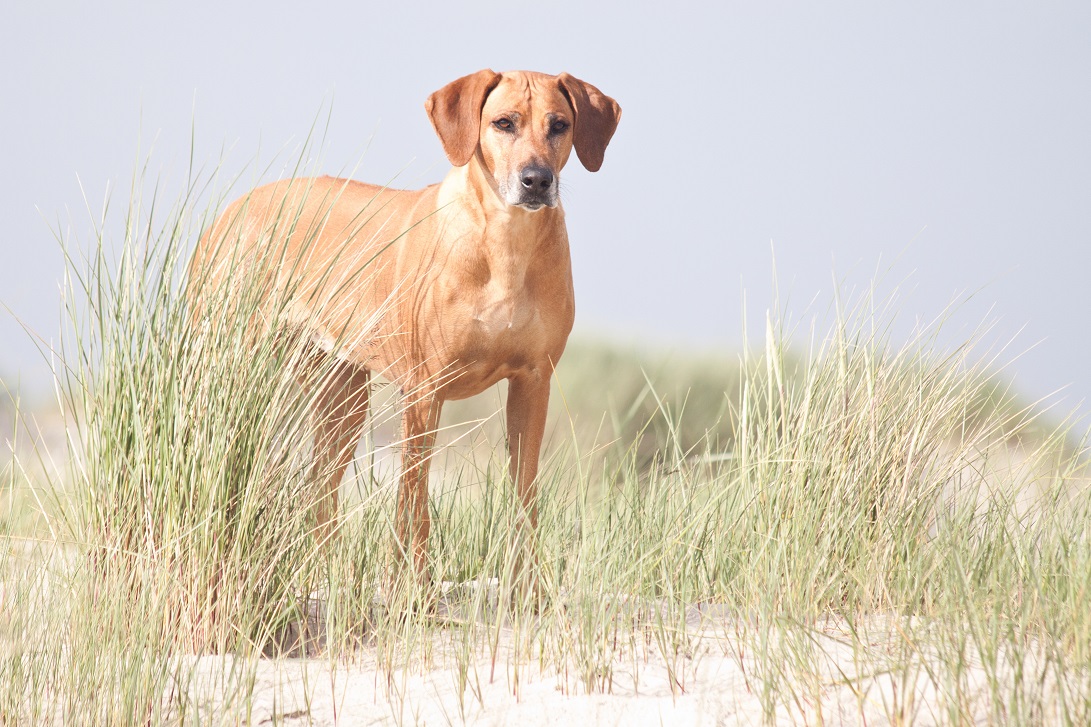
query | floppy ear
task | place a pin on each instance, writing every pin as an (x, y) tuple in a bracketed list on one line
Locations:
[(455, 111), (596, 119)]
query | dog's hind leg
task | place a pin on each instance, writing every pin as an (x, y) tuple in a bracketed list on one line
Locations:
[(340, 409), (412, 523)]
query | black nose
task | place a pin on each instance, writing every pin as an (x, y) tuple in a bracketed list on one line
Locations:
[(535, 178)]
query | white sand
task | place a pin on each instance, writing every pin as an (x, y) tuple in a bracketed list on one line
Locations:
[(716, 683)]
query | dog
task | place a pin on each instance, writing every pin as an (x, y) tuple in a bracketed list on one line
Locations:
[(444, 291)]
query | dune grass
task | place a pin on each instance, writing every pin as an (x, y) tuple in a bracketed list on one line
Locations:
[(859, 517)]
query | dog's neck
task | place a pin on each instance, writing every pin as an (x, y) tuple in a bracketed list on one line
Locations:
[(511, 238)]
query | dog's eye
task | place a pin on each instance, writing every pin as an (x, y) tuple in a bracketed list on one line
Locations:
[(558, 127), (503, 124)]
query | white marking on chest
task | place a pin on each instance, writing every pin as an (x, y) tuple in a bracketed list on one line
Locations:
[(504, 311)]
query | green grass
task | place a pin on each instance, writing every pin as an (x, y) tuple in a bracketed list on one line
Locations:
[(878, 517)]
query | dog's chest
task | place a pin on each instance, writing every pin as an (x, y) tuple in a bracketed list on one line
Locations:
[(497, 297), (498, 311), (501, 324), (506, 309)]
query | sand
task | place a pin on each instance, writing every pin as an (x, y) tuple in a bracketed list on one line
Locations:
[(713, 679)]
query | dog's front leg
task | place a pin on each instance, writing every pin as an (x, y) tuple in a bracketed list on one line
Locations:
[(412, 525), (528, 400)]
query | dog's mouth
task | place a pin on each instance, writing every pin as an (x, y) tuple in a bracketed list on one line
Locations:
[(533, 202)]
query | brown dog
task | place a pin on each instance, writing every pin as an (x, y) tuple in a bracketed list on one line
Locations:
[(444, 290)]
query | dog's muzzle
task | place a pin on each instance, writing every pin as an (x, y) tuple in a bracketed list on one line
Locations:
[(536, 188)]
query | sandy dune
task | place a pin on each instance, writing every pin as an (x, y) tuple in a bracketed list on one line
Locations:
[(714, 680)]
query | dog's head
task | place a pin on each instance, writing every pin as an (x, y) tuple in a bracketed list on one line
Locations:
[(524, 126)]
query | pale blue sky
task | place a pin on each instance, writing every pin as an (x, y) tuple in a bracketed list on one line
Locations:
[(947, 143)]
